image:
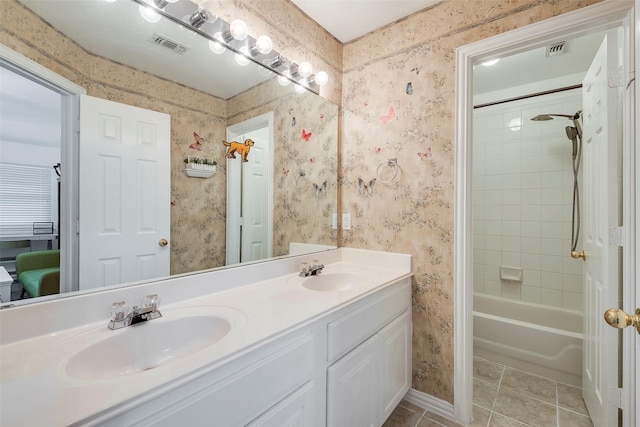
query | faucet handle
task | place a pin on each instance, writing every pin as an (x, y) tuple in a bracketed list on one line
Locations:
[(152, 301), (118, 311)]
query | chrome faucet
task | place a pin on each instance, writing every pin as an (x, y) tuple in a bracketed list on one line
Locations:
[(313, 270), (122, 317)]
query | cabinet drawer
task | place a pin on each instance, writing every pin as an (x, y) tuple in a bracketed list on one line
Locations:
[(352, 329), (241, 397)]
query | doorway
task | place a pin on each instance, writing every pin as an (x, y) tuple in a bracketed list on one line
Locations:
[(250, 192), (576, 23), (69, 94)]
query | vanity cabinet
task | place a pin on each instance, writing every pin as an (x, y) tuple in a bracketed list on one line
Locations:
[(366, 384), (350, 367)]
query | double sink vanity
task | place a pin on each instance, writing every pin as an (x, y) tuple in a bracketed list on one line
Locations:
[(256, 345)]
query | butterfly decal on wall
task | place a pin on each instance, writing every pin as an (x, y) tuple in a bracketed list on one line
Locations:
[(199, 142), (427, 154), (312, 159), (320, 190), (305, 135), (285, 172), (391, 114), (377, 150), (321, 116), (365, 189), (173, 203)]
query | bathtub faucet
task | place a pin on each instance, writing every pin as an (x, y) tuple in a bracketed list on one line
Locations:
[(120, 318)]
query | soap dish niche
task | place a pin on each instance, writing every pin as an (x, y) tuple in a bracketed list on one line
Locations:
[(511, 274)]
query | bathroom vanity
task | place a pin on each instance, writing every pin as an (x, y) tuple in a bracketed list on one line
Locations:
[(254, 345)]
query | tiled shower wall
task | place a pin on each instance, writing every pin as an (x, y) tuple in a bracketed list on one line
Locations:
[(522, 201)]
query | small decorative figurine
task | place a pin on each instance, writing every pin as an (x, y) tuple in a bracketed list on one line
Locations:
[(238, 147)]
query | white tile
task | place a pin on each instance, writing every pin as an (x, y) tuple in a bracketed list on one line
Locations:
[(493, 228), (530, 294), (551, 263), (491, 272), (478, 242), (530, 228), (551, 179), (511, 212), (492, 258), (550, 280), (531, 196), (571, 265), (552, 213), (493, 197), (478, 212), (511, 181), (493, 166), (492, 287), (572, 300), (493, 243), (512, 150), (511, 243), (477, 197), (530, 261), (530, 164), (531, 245), (478, 227), (549, 229), (551, 297), (510, 290), (493, 182), (531, 278), (511, 228), (572, 283), (551, 196), (478, 256), (478, 272), (493, 152), (530, 180), (493, 212), (511, 197), (511, 165), (530, 212), (530, 147), (512, 134), (478, 285), (554, 247), (511, 259)]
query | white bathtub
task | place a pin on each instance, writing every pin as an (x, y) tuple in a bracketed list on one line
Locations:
[(542, 340)]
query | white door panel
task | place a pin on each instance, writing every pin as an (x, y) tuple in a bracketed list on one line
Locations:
[(124, 193), (601, 206)]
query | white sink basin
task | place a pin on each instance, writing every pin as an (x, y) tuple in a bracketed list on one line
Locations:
[(145, 346), (331, 282)]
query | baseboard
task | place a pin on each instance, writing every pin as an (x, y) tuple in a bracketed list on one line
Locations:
[(430, 403)]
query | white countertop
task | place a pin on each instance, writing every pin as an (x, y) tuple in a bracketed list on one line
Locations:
[(35, 389)]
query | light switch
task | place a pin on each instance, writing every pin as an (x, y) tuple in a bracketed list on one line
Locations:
[(346, 221)]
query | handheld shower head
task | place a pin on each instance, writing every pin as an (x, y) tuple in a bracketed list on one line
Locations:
[(572, 134)]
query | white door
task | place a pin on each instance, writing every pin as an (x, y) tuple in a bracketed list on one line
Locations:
[(124, 193), (601, 208), (255, 204), (250, 192)]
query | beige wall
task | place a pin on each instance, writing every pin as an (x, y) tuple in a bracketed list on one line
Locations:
[(414, 214)]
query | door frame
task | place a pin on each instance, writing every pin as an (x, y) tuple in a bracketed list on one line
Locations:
[(69, 184), (606, 14), (234, 196)]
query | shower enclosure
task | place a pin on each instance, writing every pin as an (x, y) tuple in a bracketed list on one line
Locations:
[(526, 205)]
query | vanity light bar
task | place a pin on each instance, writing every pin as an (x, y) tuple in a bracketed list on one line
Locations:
[(235, 37)]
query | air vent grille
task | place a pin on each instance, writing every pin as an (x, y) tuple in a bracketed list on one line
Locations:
[(167, 43), (556, 49)]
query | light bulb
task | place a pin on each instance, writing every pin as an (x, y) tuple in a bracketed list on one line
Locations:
[(264, 45), (216, 47), (299, 88), (238, 29), (305, 69), (149, 14), (241, 58), (322, 78), (283, 80)]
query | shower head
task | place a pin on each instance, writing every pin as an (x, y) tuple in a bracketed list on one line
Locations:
[(572, 134), (546, 117)]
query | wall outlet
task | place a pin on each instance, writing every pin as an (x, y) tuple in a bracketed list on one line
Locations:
[(346, 221), (334, 222)]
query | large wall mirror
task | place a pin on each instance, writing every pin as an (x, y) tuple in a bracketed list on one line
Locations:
[(112, 52)]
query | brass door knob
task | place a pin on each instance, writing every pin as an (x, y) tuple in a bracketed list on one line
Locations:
[(620, 319), (163, 242)]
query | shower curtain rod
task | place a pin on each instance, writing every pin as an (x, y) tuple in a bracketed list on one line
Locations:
[(518, 98)]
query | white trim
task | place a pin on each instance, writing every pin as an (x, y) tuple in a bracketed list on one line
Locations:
[(599, 16), (69, 201), (233, 213), (430, 403)]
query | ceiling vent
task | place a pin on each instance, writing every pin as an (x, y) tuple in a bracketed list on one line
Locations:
[(556, 49), (167, 43)]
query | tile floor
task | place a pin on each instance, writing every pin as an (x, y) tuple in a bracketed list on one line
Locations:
[(505, 397)]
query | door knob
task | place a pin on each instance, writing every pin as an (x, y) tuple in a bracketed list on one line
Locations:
[(163, 242), (581, 254), (620, 319)]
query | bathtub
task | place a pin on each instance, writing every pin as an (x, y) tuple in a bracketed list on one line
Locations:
[(542, 340)]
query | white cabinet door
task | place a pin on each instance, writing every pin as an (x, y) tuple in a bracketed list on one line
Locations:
[(352, 388), (395, 367)]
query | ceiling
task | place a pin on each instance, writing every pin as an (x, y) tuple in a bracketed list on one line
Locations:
[(350, 19)]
